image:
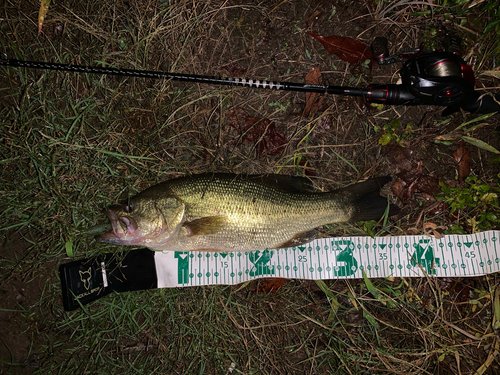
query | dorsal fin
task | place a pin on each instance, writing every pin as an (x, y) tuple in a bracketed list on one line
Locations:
[(290, 184), (360, 189)]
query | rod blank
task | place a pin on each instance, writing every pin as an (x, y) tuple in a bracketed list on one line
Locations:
[(255, 83)]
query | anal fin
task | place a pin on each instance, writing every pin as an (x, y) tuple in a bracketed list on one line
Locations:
[(299, 239)]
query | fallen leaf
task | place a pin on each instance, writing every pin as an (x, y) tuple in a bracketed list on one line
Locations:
[(401, 157), (411, 182), (411, 178), (260, 131), (430, 229), (308, 171), (234, 70), (271, 285), (44, 8), (348, 49), (459, 292), (463, 157), (399, 189), (312, 101)]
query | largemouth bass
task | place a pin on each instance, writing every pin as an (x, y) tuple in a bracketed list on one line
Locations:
[(227, 212)]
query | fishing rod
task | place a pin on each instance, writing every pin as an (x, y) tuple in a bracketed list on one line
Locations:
[(435, 78)]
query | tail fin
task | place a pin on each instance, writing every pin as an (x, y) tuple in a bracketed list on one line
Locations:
[(367, 202)]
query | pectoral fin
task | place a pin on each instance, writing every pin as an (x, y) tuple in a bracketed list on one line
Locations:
[(299, 239), (205, 226)]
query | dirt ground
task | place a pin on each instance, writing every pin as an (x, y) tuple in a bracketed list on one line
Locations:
[(19, 293)]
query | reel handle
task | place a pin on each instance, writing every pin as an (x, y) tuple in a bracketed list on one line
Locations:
[(453, 44), (483, 103), (380, 49)]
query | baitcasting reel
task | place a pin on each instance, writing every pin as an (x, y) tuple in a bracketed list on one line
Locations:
[(439, 78)]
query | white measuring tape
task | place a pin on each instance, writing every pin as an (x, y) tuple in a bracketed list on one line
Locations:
[(337, 258)]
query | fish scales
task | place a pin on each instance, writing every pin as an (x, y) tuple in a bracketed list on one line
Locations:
[(225, 212), (257, 215)]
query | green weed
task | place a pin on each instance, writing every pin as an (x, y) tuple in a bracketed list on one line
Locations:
[(464, 132), (475, 198), (392, 132)]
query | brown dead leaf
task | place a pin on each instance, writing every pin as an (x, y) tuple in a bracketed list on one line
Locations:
[(271, 285), (399, 189), (348, 49), (401, 157), (411, 182), (431, 229), (313, 100), (463, 157), (437, 208)]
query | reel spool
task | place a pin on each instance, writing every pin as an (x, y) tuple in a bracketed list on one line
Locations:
[(444, 68), (438, 78)]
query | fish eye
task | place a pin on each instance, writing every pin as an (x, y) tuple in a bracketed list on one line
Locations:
[(129, 207)]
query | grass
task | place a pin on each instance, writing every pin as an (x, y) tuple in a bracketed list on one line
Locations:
[(72, 144)]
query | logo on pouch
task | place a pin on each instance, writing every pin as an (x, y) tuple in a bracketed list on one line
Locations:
[(85, 278)]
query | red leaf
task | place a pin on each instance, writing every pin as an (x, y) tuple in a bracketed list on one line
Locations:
[(262, 132), (234, 70), (463, 158), (348, 49), (458, 291), (271, 285), (308, 171)]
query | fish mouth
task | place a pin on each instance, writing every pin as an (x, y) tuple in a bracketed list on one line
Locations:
[(123, 229)]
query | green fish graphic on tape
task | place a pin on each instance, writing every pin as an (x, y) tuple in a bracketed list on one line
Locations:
[(227, 212)]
